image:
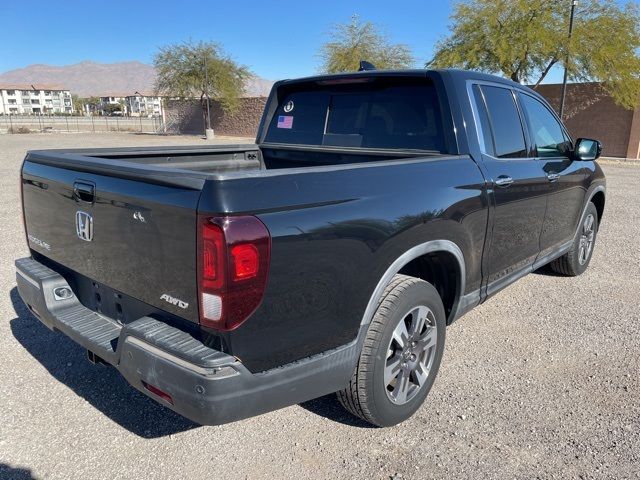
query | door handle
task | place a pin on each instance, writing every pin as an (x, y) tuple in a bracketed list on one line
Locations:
[(84, 192), (503, 181), (553, 176)]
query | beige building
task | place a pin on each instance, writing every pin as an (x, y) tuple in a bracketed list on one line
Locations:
[(135, 105), (112, 102), (144, 104), (37, 99)]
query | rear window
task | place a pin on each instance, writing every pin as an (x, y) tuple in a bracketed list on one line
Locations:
[(370, 115)]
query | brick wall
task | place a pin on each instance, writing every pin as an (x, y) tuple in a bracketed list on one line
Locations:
[(633, 151), (186, 116), (591, 112)]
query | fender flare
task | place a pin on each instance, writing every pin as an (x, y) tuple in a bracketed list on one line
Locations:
[(411, 254), (589, 196)]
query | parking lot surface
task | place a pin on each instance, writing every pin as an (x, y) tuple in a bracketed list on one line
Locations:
[(542, 381)]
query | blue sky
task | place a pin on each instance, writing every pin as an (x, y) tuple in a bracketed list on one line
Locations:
[(276, 39)]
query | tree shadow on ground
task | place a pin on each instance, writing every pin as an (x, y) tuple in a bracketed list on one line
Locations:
[(102, 386)]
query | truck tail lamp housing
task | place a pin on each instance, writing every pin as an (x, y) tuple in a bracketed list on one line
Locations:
[(233, 266)]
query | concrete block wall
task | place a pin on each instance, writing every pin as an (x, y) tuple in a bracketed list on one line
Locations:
[(186, 116)]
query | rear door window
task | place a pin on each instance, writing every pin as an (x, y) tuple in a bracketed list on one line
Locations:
[(506, 126), (485, 125), (368, 116)]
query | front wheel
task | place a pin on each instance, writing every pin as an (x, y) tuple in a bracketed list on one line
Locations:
[(401, 354), (576, 260)]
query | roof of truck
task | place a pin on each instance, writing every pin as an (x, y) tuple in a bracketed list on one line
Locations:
[(453, 72)]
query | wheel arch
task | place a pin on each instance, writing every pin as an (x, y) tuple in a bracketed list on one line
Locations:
[(440, 262)]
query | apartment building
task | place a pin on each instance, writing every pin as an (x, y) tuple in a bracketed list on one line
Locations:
[(144, 104), (35, 99), (113, 103), (134, 105)]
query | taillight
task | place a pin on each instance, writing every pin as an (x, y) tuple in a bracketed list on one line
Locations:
[(24, 221), (245, 261), (233, 265), (213, 255)]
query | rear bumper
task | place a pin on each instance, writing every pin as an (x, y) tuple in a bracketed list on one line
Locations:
[(207, 386)]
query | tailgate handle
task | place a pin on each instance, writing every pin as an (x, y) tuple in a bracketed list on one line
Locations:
[(84, 192)]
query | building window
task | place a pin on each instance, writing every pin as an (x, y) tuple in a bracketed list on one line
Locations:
[(35, 102), (47, 92), (25, 101), (13, 111), (11, 92), (25, 92), (12, 101)]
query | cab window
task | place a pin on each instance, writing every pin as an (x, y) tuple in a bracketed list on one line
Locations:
[(508, 136), (546, 131)]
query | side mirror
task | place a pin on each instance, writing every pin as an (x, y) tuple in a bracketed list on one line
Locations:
[(587, 149)]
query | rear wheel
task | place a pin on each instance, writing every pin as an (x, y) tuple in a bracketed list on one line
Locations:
[(401, 354), (576, 260)]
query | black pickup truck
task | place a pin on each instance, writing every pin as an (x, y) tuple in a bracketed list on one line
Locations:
[(374, 209)]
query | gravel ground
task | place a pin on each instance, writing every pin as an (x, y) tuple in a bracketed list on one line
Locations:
[(542, 381)]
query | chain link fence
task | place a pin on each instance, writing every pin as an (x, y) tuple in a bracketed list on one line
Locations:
[(47, 123)]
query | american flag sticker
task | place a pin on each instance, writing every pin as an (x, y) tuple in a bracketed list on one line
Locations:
[(285, 121)]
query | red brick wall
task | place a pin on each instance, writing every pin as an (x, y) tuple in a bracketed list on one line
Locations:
[(591, 112), (633, 151)]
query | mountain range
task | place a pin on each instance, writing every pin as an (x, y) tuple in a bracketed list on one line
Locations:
[(89, 78)]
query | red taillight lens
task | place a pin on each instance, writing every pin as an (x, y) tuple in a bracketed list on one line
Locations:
[(233, 264), (24, 221), (245, 261), (213, 255)]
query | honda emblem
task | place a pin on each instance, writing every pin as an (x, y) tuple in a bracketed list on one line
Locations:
[(84, 226)]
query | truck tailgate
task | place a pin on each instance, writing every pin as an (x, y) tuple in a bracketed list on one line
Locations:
[(131, 236)]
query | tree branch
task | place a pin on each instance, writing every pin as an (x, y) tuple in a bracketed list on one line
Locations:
[(545, 71)]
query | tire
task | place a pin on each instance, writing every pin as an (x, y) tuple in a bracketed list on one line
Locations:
[(388, 398), (576, 260)]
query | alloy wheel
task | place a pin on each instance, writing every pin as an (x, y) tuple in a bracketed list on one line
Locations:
[(410, 354), (586, 239)]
